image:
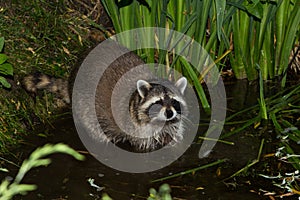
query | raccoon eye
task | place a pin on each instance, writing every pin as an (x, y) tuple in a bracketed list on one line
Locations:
[(176, 106), (153, 110)]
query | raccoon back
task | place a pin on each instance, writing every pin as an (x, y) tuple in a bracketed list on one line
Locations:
[(86, 100)]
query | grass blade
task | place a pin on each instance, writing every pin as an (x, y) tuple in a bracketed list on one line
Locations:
[(190, 170)]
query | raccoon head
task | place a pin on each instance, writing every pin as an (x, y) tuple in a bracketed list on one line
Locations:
[(158, 102), (157, 110)]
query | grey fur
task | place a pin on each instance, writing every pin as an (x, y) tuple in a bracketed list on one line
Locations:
[(131, 95), (38, 81)]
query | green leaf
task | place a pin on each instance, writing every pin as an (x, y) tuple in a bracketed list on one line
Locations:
[(6, 69), (112, 10), (164, 188), (105, 197), (254, 9), (23, 188), (220, 8), (288, 40), (4, 82), (3, 58), (123, 3), (144, 3), (36, 158), (1, 43), (188, 68)]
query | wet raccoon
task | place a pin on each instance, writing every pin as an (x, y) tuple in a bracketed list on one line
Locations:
[(154, 108)]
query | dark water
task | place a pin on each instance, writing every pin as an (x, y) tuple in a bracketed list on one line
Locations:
[(67, 178)]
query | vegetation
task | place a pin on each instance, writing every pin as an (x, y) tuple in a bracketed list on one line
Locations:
[(245, 28), (260, 22), (6, 68), (162, 194), (49, 37), (10, 189), (254, 38)]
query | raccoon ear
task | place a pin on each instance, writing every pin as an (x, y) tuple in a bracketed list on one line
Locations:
[(142, 87), (181, 84)]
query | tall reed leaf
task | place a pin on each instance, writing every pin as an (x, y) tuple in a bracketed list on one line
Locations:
[(292, 26), (189, 17)]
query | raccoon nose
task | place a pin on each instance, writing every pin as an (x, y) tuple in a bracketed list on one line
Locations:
[(169, 114)]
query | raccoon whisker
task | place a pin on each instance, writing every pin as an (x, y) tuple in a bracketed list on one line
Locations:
[(173, 137), (187, 121), (190, 107), (184, 113), (158, 139)]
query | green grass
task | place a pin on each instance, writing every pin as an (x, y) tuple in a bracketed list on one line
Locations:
[(45, 36), (283, 117), (281, 108), (6, 68), (42, 36), (9, 189)]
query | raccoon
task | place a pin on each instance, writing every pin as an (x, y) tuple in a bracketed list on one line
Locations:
[(156, 109), (38, 81), (152, 113)]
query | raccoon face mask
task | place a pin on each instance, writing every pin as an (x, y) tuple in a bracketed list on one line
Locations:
[(158, 103), (157, 111)]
